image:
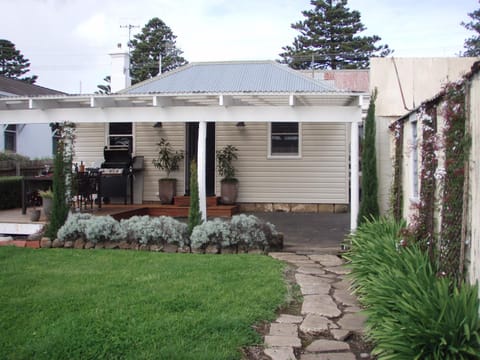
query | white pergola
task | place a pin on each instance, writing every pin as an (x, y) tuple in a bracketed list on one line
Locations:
[(316, 107)]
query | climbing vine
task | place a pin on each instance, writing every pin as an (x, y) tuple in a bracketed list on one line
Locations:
[(457, 146)]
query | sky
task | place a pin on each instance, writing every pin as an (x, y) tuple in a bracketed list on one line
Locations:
[(68, 41)]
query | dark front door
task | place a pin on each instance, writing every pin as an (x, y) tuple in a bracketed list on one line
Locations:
[(191, 154)]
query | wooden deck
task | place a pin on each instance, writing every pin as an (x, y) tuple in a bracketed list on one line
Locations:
[(13, 222)]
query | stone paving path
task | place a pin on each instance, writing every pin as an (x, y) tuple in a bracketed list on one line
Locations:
[(329, 314)]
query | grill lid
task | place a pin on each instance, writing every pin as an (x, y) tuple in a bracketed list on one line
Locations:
[(116, 156)]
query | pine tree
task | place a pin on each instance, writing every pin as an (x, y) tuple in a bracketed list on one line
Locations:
[(472, 44), (13, 64), (194, 213), (155, 38), (329, 39), (369, 202), (105, 89)]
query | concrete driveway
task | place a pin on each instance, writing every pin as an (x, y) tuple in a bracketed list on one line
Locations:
[(310, 233)]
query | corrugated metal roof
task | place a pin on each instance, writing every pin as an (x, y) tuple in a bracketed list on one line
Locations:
[(9, 87), (231, 77)]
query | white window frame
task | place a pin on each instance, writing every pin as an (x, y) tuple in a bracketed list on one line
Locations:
[(284, 156), (15, 134), (107, 136)]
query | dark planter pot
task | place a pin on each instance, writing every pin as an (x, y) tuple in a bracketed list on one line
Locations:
[(228, 192), (34, 215), (167, 190)]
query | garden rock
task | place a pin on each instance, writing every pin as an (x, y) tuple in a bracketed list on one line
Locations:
[(229, 250), (144, 247), (45, 243), (278, 329), (289, 319), (89, 245), (123, 245), (68, 245), (100, 245), (340, 334), (329, 356), (57, 244), (79, 244), (156, 248), (321, 305), (111, 245), (354, 322), (170, 248), (327, 259), (211, 249), (281, 353)]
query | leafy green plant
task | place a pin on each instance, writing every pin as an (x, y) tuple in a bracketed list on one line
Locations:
[(225, 158), (412, 313), (168, 159), (46, 194)]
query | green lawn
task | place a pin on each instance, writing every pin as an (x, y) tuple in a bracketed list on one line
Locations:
[(100, 304)]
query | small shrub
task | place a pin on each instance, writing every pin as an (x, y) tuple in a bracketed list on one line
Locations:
[(194, 213), (74, 227), (155, 230), (213, 232), (10, 192), (104, 228), (250, 231)]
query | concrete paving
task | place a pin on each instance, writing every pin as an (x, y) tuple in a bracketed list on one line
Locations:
[(310, 232)]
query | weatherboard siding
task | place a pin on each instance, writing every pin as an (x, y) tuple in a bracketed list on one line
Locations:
[(89, 143), (319, 176), (146, 139)]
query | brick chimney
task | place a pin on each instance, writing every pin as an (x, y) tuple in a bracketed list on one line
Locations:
[(120, 71)]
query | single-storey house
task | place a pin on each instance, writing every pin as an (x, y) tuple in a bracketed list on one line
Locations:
[(32, 140), (297, 138)]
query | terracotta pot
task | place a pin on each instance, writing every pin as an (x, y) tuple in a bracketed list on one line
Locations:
[(167, 189), (228, 192)]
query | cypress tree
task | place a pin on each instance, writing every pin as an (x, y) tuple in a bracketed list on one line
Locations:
[(194, 213), (369, 202), (59, 203)]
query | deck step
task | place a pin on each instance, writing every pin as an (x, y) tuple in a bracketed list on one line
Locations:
[(185, 201)]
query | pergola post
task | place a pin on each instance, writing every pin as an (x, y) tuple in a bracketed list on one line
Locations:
[(201, 167), (354, 176)]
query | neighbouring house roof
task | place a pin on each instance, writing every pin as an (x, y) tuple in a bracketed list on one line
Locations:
[(12, 87), (231, 77), (344, 79)]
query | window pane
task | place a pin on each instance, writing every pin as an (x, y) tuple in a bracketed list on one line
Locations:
[(284, 128), (11, 138), (285, 139), (120, 128)]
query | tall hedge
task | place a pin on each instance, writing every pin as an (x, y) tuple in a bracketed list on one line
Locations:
[(194, 213), (10, 192), (369, 200)]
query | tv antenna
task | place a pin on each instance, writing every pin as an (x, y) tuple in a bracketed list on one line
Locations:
[(129, 27)]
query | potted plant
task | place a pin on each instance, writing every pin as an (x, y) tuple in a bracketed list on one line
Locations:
[(168, 160), (225, 168), (47, 201)]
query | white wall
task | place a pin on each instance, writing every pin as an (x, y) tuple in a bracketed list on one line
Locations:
[(421, 79), (34, 140), (473, 252)]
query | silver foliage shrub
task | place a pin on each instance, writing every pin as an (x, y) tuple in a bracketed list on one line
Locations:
[(74, 227), (160, 230), (213, 232), (104, 228), (250, 231)]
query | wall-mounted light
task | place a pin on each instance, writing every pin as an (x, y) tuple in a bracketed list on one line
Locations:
[(240, 124), (157, 125)]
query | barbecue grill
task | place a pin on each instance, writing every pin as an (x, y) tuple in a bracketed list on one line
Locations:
[(116, 173)]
